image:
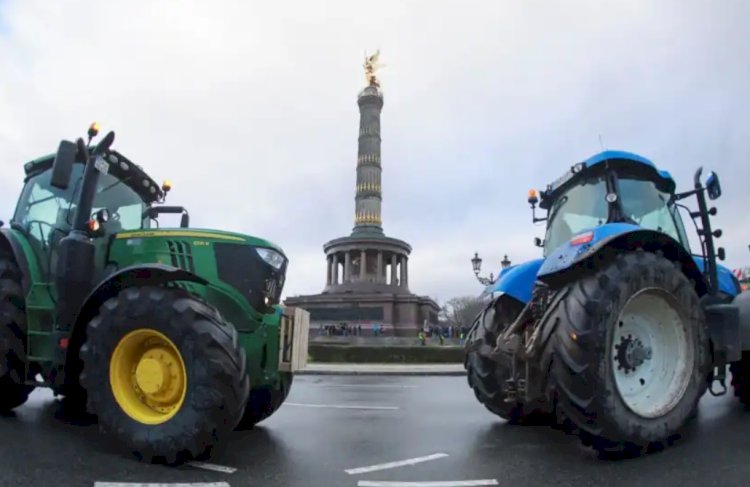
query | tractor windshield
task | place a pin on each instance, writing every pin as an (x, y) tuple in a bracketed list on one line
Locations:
[(46, 212), (581, 207), (650, 208)]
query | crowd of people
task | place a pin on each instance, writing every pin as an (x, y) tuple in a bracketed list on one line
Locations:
[(443, 332), (346, 329)]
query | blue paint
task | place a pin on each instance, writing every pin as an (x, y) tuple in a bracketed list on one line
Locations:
[(627, 156), (566, 254), (517, 281), (726, 278), (610, 155)]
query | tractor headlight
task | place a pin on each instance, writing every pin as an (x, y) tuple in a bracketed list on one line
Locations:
[(272, 258)]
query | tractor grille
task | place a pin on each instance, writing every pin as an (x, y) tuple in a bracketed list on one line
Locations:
[(241, 267), (181, 255)]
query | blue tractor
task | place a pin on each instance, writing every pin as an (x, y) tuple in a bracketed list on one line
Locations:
[(619, 329)]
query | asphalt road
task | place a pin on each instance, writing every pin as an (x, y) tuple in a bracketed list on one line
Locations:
[(331, 424)]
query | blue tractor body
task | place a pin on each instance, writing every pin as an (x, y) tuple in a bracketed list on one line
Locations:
[(519, 280), (620, 327)]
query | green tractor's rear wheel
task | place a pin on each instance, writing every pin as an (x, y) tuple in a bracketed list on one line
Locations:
[(163, 373), (630, 353), (487, 376), (265, 401), (13, 391)]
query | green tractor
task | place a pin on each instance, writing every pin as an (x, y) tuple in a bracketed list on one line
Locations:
[(171, 337)]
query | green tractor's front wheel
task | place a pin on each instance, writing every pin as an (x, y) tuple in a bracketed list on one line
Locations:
[(163, 373), (630, 353), (265, 401)]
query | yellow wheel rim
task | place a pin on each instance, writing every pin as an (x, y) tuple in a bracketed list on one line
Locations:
[(148, 376)]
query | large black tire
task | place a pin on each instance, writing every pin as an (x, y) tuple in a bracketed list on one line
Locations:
[(487, 377), (582, 372), (13, 391), (741, 379), (217, 381), (264, 402)]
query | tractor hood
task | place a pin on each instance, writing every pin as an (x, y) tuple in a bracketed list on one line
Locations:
[(234, 264), (200, 234)]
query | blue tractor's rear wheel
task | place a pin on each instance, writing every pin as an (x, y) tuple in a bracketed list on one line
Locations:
[(630, 353)]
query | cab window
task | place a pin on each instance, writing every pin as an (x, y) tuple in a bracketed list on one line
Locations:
[(649, 208), (42, 208)]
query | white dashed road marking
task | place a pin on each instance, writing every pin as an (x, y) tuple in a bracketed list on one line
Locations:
[(400, 463), (212, 467), (340, 406), (378, 386), (439, 483), (129, 484)]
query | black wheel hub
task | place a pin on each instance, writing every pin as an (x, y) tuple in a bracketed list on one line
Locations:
[(631, 353)]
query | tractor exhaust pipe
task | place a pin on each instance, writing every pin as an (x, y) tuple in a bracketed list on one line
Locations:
[(90, 178)]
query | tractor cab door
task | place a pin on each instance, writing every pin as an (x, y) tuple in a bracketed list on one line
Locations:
[(44, 214)]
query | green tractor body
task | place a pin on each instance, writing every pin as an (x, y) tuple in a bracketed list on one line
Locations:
[(172, 337)]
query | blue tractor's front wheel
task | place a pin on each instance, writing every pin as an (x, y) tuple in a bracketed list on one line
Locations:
[(630, 353), (488, 374)]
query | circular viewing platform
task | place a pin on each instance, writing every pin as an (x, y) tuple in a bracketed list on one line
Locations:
[(367, 263)]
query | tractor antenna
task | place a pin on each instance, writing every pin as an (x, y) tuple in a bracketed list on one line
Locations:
[(601, 143)]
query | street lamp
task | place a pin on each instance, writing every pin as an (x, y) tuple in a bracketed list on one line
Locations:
[(505, 263), (476, 264)]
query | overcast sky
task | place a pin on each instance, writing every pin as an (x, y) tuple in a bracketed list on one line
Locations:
[(250, 109)]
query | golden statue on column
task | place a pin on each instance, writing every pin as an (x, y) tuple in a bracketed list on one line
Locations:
[(372, 64)]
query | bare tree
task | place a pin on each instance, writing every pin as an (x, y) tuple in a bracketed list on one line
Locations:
[(461, 311)]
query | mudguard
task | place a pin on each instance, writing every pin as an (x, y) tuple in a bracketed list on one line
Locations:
[(516, 281), (141, 273), (9, 242), (626, 236)]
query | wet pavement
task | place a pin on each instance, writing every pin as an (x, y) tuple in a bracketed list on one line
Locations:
[(331, 424)]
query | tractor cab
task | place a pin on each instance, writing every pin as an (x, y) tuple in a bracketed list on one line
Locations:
[(124, 199), (122, 195), (610, 187)]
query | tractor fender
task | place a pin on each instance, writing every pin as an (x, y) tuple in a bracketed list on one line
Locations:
[(516, 281), (10, 244), (570, 258), (148, 274)]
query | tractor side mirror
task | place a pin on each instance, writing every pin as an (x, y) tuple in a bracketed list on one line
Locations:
[(538, 242), (713, 186), (62, 167)]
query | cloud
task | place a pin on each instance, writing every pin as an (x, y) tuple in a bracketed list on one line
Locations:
[(250, 109)]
